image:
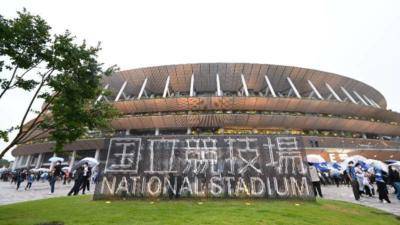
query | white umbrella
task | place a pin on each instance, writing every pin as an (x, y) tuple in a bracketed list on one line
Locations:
[(66, 168), (55, 159), (355, 159), (377, 164), (91, 161), (44, 175), (313, 158), (3, 170), (43, 169), (397, 164)]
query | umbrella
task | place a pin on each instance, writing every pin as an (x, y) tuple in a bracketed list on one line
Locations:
[(66, 168), (4, 169), (355, 159), (91, 161), (312, 158), (323, 167), (337, 166), (55, 159), (44, 175), (391, 161), (397, 164), (43, 169), (377, 164)]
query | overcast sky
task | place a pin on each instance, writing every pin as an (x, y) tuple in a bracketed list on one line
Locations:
[(358, 39)]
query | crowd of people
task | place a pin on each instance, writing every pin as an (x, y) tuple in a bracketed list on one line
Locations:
[(363, 181), (82, 176)]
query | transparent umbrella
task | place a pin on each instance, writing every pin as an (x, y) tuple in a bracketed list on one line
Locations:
[(4, 169), (355, 159), (91, 161), (377, 164), (66, 168), (55, 159), (397, 165), (43, 170), (312, 158)]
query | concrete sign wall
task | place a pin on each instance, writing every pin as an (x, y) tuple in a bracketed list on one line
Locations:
[(254, 166)]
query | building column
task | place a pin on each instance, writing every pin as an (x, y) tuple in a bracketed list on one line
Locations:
[(192, 86), (121, 91), (72, 161), (102, 92), (296, 92), (51, 163), (142, 90), (246, 91), (269, 86), (97, 155), (157, 132), (127, 132), (28, 161), (39, 162), (14, 166), (189, 130)]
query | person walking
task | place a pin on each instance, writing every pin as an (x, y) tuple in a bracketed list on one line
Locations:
[(78, 178), (336, 176), (85, 177), (382, 189), (19, 178), (52, 178), (351, 174), (368, 187), (58, 170), (89, 177), (394, 177), (316, 182), (360, 178), (30, 178)]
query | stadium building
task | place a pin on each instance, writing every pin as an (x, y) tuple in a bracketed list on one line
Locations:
[(335, 116)]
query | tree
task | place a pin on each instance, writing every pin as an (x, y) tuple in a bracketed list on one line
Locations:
[(65, 75), (4, 162)]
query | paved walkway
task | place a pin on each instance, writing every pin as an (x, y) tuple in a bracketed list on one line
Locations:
[(345, 193), (40, 190)]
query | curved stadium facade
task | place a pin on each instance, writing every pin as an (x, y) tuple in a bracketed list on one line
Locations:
[(333, 115)]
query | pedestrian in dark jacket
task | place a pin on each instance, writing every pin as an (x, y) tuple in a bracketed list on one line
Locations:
[(87, 173), (351, 174), (30, 178), (58, 170), (78, 178), (52, 178), (19, 178), (394, 178), (382, 189)]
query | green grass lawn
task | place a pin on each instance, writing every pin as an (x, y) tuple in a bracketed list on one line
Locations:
[(82, 210)]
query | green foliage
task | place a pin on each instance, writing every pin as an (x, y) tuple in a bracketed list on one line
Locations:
[(77, 84), (22, 44), (4, 162), (67, 77), (25, 84), (4, 135)]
